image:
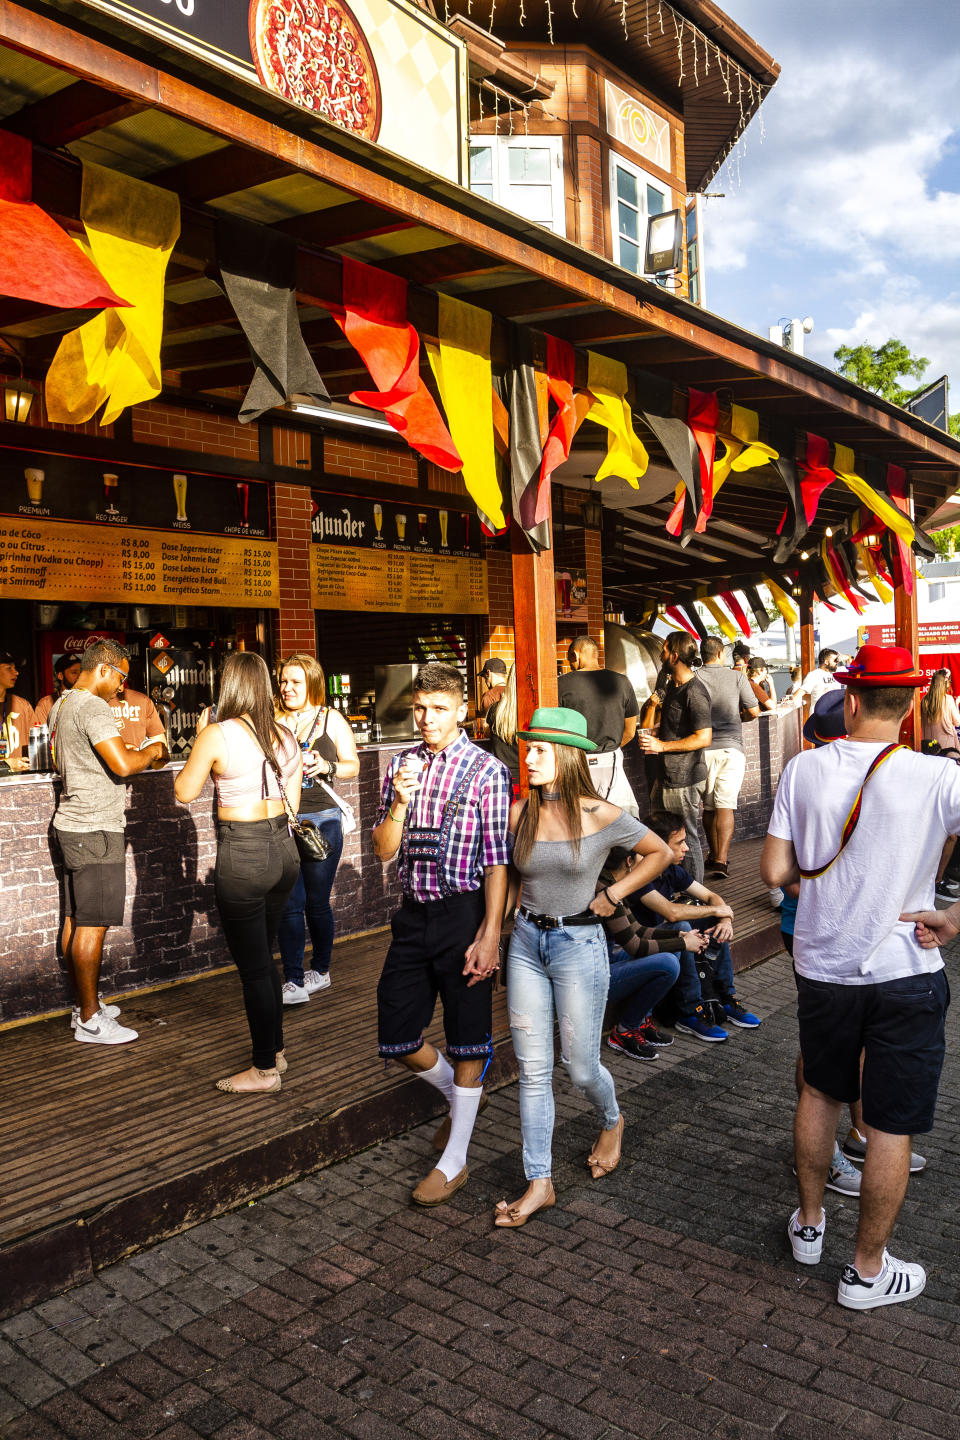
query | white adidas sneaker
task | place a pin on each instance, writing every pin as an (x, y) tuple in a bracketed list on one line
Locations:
[(897, 1281)]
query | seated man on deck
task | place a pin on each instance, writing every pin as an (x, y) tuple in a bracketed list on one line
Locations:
[(666, 900)]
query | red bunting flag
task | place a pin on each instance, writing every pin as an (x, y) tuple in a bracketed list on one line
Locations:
[(736, 610), (556, 449), (816, 474), (902, 566)]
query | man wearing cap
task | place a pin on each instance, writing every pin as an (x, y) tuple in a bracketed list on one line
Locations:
[(865, 981), (608, 703), (66, 671), (16, 715), (444, 812), (494, 677)]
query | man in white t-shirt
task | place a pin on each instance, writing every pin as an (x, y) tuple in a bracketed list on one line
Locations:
[(865, 981), (819, 681)]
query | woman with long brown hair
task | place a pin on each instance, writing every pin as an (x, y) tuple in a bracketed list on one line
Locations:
[(558, 960), (329, 754), (255, 763), (939, 713)]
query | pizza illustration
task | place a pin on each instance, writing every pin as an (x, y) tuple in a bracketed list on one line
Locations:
[(314, 53)]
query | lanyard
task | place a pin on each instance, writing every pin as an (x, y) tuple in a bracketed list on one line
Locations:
[(853, 819)]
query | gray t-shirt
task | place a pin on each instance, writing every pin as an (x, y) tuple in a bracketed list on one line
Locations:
[(558, 881), (93, 797), (728, 690)]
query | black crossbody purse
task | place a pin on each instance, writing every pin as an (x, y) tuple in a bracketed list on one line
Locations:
[(309, 839)]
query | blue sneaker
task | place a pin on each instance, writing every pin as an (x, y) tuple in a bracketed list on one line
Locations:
[(700, 1027), (736, 1014)]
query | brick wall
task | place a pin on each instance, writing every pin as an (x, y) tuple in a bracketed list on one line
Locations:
[(498, 622), (385, 466), (203, 431), (294, 625), (40, 418)]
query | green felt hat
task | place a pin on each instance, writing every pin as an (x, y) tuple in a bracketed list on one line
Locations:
[(558, 726)]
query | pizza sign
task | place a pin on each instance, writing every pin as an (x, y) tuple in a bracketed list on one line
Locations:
[(316, 55)]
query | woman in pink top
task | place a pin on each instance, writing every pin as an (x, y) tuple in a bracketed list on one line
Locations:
[(939, 713), (250, 756)]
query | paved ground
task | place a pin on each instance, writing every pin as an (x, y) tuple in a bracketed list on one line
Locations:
[(659, 1302)]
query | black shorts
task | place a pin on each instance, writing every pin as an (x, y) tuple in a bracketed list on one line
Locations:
[(426, 959), (898, 1025), (94, 876)]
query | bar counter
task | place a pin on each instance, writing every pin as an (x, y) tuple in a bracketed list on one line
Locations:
[(171, 929)]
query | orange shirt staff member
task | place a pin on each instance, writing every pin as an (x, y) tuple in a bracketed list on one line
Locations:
[(66, 673), (136, 717), (16, 714)]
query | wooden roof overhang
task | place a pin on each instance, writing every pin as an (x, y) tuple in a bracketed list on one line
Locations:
[(225, 145)]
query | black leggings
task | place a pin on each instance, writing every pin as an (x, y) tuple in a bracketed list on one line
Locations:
[(257, 866)]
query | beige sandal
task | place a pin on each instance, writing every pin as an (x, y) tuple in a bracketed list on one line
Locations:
[(507, 1216), (282, 1066), (600, 1168), (230, 1089)]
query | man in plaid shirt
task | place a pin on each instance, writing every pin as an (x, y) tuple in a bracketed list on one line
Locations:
[(443, 812)]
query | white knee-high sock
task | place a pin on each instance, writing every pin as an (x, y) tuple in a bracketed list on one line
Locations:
[(463, 1117), (440, 1076)]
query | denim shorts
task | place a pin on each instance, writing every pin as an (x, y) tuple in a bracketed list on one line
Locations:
[(898, 1025), (94, 876)]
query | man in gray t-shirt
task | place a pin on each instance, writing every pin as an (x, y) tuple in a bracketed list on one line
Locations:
[(93, 762), (730, 697)]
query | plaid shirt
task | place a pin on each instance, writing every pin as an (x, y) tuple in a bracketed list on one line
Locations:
[(479, 838)]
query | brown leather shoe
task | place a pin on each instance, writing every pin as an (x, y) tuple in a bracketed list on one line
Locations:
[(442, 1133), (437, 1189)]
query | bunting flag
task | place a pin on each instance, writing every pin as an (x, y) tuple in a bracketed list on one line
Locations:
[(837, 576), (626, 456), (374, 319), (736, 610), (678, 616), (676, 437), (691, 612), (461, 365), (560, 371), (793, 525), (817, 474), (873, 574), (902, 561), (38, 260), (114, 359), (845, 466), (783, 602), (258, 275), (530, 495), (719, 617), (703, 411), (743, 450), (757, 607)]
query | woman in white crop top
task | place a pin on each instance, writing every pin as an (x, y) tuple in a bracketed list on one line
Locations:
[(558, 961), (250, 756)]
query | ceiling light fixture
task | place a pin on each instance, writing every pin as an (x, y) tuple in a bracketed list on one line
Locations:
[(343, 417)]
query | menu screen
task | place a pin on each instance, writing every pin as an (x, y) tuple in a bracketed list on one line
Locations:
[(385, 557)]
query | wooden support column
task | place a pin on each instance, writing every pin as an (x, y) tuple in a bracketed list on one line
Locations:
[(908, 635), (535, 626)]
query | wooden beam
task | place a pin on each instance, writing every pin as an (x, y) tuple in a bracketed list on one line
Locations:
[(341, 224), (221, 172), (70, 114)]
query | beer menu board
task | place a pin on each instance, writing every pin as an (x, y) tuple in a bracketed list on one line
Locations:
[(53, 561), (385, 557), (62, 487)]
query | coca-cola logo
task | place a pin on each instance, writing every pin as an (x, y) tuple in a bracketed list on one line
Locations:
[(79, 643)]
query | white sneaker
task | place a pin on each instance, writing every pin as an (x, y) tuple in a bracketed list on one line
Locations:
[(101, 1030), (806, 1241), (897, 1281), (295, 994), (110, 1012), (314, 980)]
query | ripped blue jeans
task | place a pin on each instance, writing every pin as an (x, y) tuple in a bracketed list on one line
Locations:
[(564, 971)]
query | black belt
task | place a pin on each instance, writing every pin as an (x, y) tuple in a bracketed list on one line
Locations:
[(554, 922)]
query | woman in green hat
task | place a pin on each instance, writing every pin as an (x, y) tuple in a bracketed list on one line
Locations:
[(558, 954)]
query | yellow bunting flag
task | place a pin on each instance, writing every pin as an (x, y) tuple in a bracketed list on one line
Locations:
[(884, 594), (114, 359), (894, 519), (783, 603), (725, 624), (744, 449), (461, 365), (607, 383)]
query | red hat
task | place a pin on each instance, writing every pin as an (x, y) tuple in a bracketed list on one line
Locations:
[(881, 665)]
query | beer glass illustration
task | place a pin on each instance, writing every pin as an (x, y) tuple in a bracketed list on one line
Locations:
[(422, 527), (243, 495), (180, 495), (465, 517), (34, 479), (378, 518), (444, 522), (110, 484), (401, 527)]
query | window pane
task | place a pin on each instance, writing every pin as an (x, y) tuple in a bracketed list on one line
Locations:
[(628, 222), (695, 289), (629, 256), (535, 202), (527, 165), (656, 201), (481, 166), (693, 262), (692, 223), (627, 187), (485, 191)]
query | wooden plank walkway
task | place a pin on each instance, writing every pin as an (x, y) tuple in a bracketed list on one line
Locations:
[(106, 1150)]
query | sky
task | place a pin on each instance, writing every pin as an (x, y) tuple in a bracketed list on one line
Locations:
[(848, 208)]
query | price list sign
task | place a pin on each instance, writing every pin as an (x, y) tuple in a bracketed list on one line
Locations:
[(79, 562), (344, 578)]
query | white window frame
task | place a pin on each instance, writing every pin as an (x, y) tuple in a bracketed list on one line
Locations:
[(500, 146), (643, 179)]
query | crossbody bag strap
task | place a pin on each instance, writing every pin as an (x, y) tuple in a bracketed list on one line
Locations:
[(272, 760), (853, 818)]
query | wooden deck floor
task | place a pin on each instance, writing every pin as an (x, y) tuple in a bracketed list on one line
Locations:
[(107, 1150)]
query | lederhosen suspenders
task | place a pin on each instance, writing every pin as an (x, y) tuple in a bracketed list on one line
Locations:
[(853, 819), (428, 842)]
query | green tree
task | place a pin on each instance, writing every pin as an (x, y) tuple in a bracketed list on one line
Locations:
[(881, 367), (946, 541)]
